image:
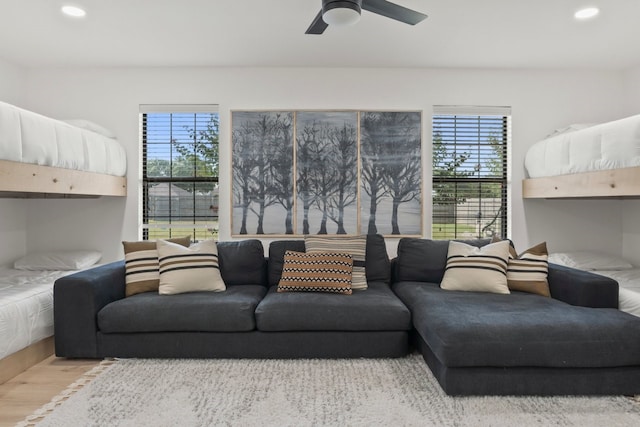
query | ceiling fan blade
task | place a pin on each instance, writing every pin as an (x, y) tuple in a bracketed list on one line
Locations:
[(318, 25), (393, 11)]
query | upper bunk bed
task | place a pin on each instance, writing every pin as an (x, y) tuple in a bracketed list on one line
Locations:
[(42, 157), (586, 161)]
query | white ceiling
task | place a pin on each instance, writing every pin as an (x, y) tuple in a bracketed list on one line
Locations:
[(270, 33)]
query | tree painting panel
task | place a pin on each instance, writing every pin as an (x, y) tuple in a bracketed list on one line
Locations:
[(327, 172), (391, 173), (262, 170)]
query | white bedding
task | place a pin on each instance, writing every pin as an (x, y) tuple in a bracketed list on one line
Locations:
[(611, 145), (29, 137), (629, 294), (26, 307)]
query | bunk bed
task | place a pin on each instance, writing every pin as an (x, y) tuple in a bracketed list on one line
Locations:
[(586, 161), (43, 157), (26, 306)]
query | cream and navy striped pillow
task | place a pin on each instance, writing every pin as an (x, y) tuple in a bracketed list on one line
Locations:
[(141, 265), (355, 246), (470, 268), (528, 272), (316, 272), (189, 269)]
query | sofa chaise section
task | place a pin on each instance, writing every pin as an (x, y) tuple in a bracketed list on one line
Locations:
[(519, 343)]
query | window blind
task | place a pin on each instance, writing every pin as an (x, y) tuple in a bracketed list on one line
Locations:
[(470, 182), (179, 171)]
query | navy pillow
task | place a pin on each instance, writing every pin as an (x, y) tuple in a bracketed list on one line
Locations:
[(276, 257)]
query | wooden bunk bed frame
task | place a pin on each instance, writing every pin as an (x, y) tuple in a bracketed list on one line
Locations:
[(25, 180), (614, 183)]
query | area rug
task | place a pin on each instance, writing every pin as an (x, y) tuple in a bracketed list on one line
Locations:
[(355, 392)]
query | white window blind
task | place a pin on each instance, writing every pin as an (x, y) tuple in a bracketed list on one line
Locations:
[(470, 181), (179, 171)]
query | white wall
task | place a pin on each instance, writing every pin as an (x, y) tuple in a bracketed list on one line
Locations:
[(540, 100), (631, 210), (13, 223)]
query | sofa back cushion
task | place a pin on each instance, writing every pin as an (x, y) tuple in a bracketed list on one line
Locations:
[(377, 264), (424, 260), (242, 262)]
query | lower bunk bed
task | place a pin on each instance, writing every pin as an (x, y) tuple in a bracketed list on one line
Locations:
[(626, 274), (26, 314)]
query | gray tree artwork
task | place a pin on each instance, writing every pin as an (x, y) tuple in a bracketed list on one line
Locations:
[(391, 174), (327, 172), (262, 153)]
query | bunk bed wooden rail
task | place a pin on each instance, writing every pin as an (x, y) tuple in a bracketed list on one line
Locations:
[(24, 180), (617, 183)]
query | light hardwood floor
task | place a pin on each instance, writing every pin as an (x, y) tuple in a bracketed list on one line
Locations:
[(23, 394)]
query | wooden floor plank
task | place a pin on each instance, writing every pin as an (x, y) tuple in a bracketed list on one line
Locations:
[(23, 394)]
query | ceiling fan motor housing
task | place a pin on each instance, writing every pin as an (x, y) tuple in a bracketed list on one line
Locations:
[(348, 4)]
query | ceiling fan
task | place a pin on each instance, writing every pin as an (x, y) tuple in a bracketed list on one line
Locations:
[(347, 12)]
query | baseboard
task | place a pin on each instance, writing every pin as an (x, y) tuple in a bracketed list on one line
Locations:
[(22, 360)]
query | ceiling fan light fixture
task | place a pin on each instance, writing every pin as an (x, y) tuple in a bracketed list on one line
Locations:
[(341, 13)]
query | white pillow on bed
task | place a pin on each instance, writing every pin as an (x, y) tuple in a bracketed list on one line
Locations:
[(58, 260), (91, 126), (590, 260)]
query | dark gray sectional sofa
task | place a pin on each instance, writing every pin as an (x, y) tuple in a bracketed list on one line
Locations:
[(576, 342)]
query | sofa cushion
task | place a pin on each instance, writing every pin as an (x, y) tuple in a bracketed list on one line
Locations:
[(465, 329), (356, 246), (242, 262), (377, 264), (317, 272), (189, 269), (470, 268), (228, 311), (424, 260), (276, 257), (377, 309)]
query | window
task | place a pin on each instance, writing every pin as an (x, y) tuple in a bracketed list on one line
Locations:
[(179, 171), (470, 179)]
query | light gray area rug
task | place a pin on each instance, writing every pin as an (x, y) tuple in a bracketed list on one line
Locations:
[(357, 392)]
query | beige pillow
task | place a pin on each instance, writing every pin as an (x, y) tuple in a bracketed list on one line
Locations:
[(316, 272), (189, 269), (528, 272), (470, 268), (355, 246), (141, 265)]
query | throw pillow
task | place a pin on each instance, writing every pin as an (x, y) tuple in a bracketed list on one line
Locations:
[(316, 272), (354, 246), (470, 268), (141, 265), (189, 269), (528, 272)]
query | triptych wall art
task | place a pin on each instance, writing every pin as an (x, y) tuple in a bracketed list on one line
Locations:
[(326, 172)]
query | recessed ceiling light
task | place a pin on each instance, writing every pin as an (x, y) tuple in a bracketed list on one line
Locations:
[(73, 11), (586, 13)]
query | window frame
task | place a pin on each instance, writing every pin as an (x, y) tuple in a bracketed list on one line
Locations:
[(465, 113), (146, 181)]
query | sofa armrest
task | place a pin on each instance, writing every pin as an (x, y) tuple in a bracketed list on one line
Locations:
[(583, 288), (77, 299)]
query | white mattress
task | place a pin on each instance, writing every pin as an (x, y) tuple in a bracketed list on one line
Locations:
[(26, 307), (629, 282), (28, 137), (611, 145)]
